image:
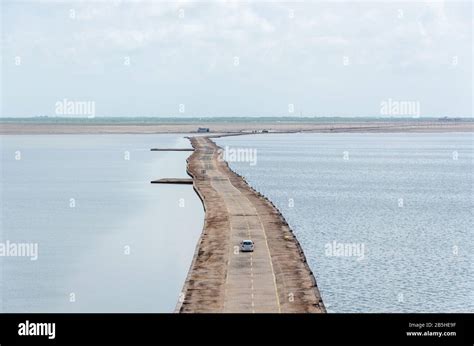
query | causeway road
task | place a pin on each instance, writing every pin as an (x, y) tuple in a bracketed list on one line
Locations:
[(274, 278)]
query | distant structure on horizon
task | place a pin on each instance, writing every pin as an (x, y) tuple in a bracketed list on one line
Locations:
[(449, 119), (203, 129)]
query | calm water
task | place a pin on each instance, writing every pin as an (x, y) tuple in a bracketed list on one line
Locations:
[(106, 237), (401, 206)]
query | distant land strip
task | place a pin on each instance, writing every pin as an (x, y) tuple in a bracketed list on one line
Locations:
[(223, 127)]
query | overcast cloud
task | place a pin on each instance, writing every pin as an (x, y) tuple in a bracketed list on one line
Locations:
[(229, 58)]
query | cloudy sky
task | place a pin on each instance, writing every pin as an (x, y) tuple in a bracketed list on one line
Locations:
[(236, 58)]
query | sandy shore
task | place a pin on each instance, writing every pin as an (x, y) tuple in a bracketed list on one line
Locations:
[(408, 126)]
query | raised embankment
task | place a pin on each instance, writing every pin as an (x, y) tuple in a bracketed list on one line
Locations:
[(273, 278)]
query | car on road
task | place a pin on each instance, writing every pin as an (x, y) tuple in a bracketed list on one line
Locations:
[(246, 245)]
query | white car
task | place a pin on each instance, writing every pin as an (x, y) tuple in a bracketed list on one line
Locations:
[(246, 246)]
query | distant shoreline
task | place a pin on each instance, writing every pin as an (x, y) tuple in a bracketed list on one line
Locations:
[(221, 127)]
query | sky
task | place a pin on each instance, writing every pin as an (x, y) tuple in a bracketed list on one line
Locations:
[(237, 58)]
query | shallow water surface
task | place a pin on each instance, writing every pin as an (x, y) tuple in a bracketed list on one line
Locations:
[(108, 240), (385, 220)]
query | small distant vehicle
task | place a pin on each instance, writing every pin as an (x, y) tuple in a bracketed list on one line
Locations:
[(246, 246)]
